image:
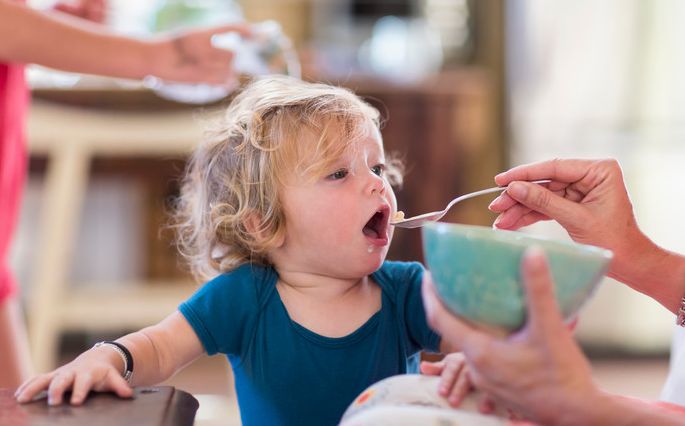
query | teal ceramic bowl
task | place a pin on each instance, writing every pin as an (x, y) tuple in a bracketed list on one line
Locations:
[(477, 272)]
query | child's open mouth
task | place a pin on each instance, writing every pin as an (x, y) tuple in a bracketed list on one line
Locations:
[(376, 229)]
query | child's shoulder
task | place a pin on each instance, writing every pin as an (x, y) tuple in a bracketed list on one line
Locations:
[(392, 267), (392, 273), (251, 278)]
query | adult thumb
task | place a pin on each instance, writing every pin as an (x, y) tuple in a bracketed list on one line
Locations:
[(543, 309), (542, 200)]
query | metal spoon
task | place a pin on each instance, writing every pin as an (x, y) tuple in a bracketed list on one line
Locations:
[(422, 219)]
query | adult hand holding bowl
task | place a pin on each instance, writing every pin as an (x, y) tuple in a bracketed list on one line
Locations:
[(476, 272)]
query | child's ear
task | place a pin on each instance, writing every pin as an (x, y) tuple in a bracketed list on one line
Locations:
[(252, 222), (252, 225)]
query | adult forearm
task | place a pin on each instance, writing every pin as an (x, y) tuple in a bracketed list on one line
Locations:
[(652, 270), (617, 410), (60, 41)]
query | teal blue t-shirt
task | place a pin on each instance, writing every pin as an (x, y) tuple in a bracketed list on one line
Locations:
[(286, 374)]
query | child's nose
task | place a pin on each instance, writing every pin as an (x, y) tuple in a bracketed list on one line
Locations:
[(376, 184)]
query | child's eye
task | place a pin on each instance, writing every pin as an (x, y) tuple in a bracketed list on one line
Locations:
[(378, 169), (338, 174)]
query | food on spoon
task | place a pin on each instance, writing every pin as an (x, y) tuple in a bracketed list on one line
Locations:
[(397, 216)]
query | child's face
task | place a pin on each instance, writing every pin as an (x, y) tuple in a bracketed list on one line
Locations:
[(337, 225)]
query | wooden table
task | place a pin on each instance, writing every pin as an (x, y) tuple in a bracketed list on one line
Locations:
[(162, 405)]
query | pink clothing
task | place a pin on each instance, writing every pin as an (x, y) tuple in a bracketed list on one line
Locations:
[(14, 98)]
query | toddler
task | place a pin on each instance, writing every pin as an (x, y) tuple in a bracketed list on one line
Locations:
[(284, 209)]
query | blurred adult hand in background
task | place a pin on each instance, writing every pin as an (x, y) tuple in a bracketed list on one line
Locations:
[(68, 43), (91, 10), (191, 57)]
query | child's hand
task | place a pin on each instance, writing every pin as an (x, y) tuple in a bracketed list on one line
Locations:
[(94, 369), (454, 378)]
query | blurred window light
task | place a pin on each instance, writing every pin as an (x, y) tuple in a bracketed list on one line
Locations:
[(402, 49), (346, 34), (604, 79), (452, 21)]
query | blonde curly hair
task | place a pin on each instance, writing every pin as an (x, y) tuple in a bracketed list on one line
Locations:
[(234, 176)]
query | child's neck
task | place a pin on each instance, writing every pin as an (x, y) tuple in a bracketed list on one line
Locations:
[(320, 287), (328, 306)]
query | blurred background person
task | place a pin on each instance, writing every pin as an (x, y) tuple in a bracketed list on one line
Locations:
[(71, 43)]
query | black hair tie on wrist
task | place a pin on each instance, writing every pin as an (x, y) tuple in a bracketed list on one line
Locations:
[(125, 355)]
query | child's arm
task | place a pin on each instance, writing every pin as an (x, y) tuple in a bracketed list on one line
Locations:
[(157, 351)]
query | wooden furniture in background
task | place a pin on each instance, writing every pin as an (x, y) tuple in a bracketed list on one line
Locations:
[(71, 137), (443, 129)]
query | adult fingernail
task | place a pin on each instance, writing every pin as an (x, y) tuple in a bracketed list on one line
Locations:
[(517, 190), (535, 252), (495, 201), (536, 257)]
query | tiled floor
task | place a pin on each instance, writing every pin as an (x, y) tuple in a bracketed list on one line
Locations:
[(210, 381)]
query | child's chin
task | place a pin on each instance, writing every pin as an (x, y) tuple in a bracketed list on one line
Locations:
[(376, 263)]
